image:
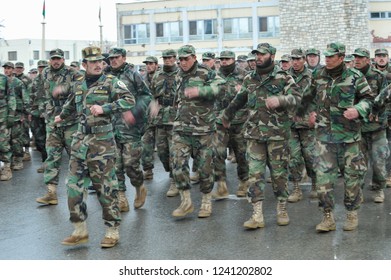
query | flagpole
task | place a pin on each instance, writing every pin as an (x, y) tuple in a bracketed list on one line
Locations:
[(43, 54), (101, 30)]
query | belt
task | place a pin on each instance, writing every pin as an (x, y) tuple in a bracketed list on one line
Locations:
[(86, 129)]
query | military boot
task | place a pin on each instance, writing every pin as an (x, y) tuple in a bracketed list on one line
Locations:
[(148, 174), (173, 190), (111, 237), (195, 178), (186, 206), (222, 190), (50, 198), (123, 202), (351, 222), (206, 206), (256, 220), (141, 194), (26, 156), (6, 172), (388, 181), (18, 163), (379, 196), (328, 222), (78, 236), (242, 189), (282, 214), (313, 193), (297, 194), (42, 168)]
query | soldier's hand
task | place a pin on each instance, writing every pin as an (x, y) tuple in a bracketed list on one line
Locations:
[(128, 117), (351, 113), (154, 108), (272, 102), (312, 119), (57, 91), (225, 123), (191, 92), (96, 110), (57, 119), (238, 87)]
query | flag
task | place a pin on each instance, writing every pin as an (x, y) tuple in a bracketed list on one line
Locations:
[(100, 20), (44, 9)]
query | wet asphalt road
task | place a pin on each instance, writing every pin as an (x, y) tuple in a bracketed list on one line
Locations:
[(33, 232)]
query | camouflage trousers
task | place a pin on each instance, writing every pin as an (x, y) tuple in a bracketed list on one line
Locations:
[(183, 146), (38, 129), (388, 162), (164, 145), (349, 160), (302, 154), (148, 143), (274, 154), (374, 146), (26, 132), (5, 147), (17, 143), (58, 138), (128, 161), (102, 174), (234, 136)]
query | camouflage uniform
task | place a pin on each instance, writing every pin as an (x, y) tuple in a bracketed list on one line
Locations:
[(128, 137), (7, 113), (93, 149), (267, 132), (332, 93)]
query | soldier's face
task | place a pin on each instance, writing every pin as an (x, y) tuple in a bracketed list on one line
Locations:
[(263, 59), (252, 64), (117, 61), (360, 62), (8, 71), (226, 61), (313, 60), (151, 67), (208, 62), (40, 69), (169, 60), (381, 59), (187, 62), (93, 67), (298, 64), (56, 62), (19, 70), (333, 61), (285, 65)]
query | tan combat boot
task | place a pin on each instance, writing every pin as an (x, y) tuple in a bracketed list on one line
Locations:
[(351, 222), (18, 164), (26, 156), (379, 196), (222, 190), (195, 178), (123, 202), (388, 182), (297, 194), (313, 193), (148, 174), (78, 236), (256, 220), (141, 194), (173, 190), (42, 168), (282, 214), (186, 206), (206, 206), (6, 172), (111, 237), (242, 189), (50, 197), (328, 222)]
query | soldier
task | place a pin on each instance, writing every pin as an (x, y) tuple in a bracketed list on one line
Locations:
[(233, 76), (339, 96), (252, 64), (349, 61), (374, 138), (270, 95), (27, 82), (242, 62), (33, 73), (57, 83), (18, 129), (194, 126), (37, 113), (95, 100), (163, 112), (76, 65), (302, 141), (149, 137), (128, 136), (312, 57), (209, 59), (7, 118), (285, 62)]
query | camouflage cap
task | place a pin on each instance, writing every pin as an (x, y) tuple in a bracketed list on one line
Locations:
[(265, 48), (286, 57), (335, 48), (75, 64), (312, 51), (297, 53), (381, 51), (186, 51), (19, 65), (33, 70), (348, 58), (56, 53), (208, 55), (9, 64), (92, 54), (242, 57), (42, 63), (250, 56), (169, 53), (152, 59), (117, 52), (227, 54), (361, 52)]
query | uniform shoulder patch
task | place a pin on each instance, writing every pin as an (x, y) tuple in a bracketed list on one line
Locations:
[(121, 84)]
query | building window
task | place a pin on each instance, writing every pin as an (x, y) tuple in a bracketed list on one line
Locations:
[(35, 55), (235, 28), (380, 15), (269, 26), (12, 55), (203, 29), (136, 34), (169, 32)]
